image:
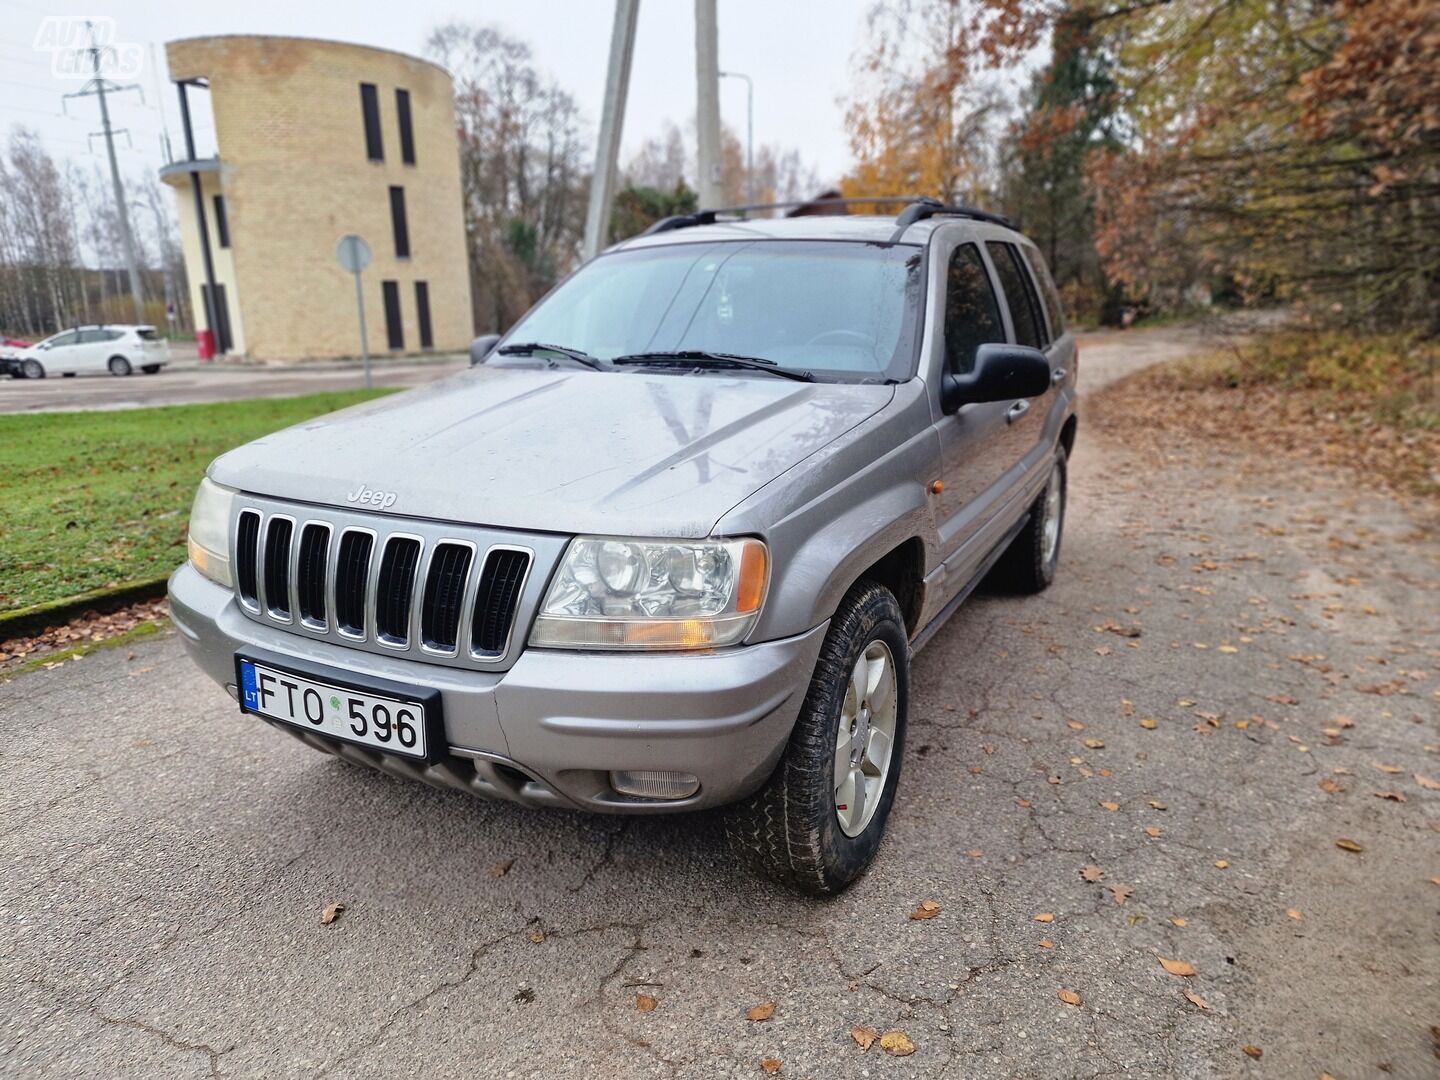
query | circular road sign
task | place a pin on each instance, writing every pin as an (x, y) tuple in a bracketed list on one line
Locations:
[(353, 253)]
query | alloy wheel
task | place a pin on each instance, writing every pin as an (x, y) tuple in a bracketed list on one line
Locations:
[(866, 738)]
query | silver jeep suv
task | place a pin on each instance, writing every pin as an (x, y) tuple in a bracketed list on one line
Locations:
[(673, 541)]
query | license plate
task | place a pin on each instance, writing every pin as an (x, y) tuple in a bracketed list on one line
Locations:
[(379, 721)]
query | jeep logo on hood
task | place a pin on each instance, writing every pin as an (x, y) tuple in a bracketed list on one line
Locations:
[(368, 496)]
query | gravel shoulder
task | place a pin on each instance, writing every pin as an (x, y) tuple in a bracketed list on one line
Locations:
[(166, 861)]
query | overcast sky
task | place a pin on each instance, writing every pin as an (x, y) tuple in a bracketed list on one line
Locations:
[(797, 53)]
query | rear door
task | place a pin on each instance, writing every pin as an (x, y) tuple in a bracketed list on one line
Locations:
[(1025, 417), (93, 352)]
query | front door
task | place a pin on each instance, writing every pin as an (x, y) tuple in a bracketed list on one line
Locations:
[(972, 440)]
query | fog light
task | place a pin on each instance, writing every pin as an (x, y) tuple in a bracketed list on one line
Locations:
[(654, 783)]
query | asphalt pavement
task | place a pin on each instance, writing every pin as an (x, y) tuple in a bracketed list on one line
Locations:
[(188, 381), (1211, 744)]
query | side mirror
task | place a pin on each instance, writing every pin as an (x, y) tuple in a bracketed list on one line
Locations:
[(1001, 372), (481, 346)]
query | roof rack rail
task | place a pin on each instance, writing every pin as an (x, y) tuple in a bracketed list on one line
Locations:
[(917, 208)]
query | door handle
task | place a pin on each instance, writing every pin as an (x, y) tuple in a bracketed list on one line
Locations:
[(1019, 409), (1058, 376)]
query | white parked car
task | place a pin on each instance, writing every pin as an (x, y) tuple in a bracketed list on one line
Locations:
[(95, 350)]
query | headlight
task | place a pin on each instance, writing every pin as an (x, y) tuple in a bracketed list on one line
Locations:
[(653, 594), (209, 544)]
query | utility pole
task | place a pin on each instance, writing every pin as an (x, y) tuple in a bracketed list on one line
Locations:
[(707, 103), (98, 87), (749, 132), (612, 122)]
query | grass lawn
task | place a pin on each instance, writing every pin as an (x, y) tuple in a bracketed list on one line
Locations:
[(90, 500)]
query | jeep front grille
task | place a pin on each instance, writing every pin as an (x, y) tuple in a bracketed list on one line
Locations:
[(443, 594)]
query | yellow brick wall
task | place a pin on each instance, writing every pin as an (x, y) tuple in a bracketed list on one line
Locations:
[(291, 138)]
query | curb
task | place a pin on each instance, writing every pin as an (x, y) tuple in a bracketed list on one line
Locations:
[(32, 620)]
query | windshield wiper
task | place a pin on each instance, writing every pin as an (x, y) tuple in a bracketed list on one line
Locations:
[(528, 348), (704, 358)]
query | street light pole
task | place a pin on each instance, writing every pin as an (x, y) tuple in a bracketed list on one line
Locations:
[(749, 132)]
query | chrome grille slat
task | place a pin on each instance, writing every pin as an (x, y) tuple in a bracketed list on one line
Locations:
[(247, 559), (275, 580), (395, 589), (312, 558), (501, 580), (443, 599), (453, 595)]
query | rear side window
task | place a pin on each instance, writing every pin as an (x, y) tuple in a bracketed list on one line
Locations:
[(1049, 295), (1019, 295), (146, 333), (90, 337), (972, 313)]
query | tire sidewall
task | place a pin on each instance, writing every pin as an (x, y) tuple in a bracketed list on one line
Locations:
[(1060, 471), (34, 369), (120, 362), (877, 619)]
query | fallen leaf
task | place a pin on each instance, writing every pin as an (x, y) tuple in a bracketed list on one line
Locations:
[(1074, 725), (1252, 1051), (1427, 783), (1024, 803), (1095, 744), (1179, 920), (1348, 845), (865, 1036), (771, 1065), (1393, 796), (1156, 804), (1331, 787), (1393, 770), (1149, 723), (928, 909), (1294, 913), (1228, 649), (1176, 967), (1044, 916), (897, 1043), (1052, 779), (1069, 997), (537, 936), (331, 913), (761, 1012), (1046, 943), (1092, 872), (1154, 830), (500, 869), (1221, 864), (645, 1003), (1122, 893), (974, 853), (1111, 806), (1195, 999)]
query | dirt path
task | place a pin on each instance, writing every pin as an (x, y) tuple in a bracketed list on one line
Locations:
[(165, 861)]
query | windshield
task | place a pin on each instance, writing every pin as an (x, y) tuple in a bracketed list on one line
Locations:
[(842, 310)]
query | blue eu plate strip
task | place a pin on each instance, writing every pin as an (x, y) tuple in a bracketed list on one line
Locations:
[(249, 695)]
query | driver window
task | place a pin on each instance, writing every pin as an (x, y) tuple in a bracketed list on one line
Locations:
[(70, 337), (972, 314)]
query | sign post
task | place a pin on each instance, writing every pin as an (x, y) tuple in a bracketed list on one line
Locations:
[(354, 255)]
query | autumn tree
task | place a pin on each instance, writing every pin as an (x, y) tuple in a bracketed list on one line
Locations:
[(1069, 113), (523, 169), (922, 116)]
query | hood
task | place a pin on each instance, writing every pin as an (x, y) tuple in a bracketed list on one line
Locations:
[(631, 453)]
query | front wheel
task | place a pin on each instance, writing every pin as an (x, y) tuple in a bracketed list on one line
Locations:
[(816, 824), (34, 369), (119, 365)]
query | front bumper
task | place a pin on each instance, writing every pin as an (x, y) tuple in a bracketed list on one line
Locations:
[(550, 729)]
